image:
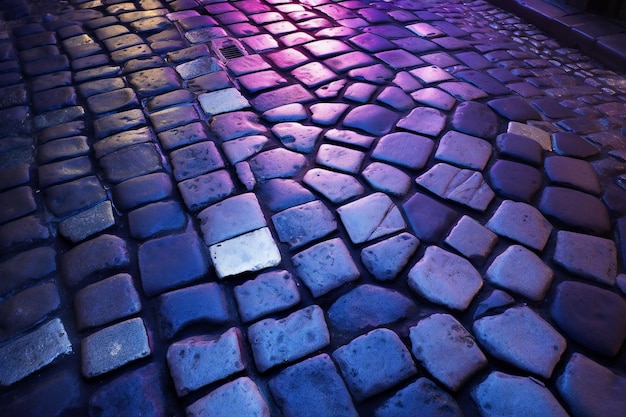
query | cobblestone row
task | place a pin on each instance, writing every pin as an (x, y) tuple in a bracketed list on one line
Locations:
[(308, 208)]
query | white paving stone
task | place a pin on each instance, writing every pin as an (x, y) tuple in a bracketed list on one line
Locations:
[(472, 239), (592, 257), (522, 338), (445, 278), (241, 398), (538, 135), (446, 349), (249, 252), (521, 271), (522, 223), (371, 217), (464, 150), (222, 101)]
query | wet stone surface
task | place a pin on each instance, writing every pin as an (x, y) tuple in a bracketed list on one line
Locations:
[(303, 208)]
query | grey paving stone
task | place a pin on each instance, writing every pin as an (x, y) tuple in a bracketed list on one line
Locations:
[(24, 233), (174, 117), (424, 120), (277, 163), (522, 223), (404, 149), (118, 122), (313, 74), (155, 81), (47, 65), (514, 108), (463, 186), (431, 74), (62, 149), (17, 203), (288, 113), (203, 190), (501, 394), (276, 342), (183, 135), (447, 350), (472, 240), (466, 115), (327, 113), (26, 308), (303, 224), (375, 74), (155, 219), (463, 150), (15, 175), (33, 351), (590, 212), (288, 58), (170, 262), (371, 118), (407, 82), (492, 87), (113, 347), (374, 362), (133, 52), (169, 99), (140, 190), (349, 61), (312, 266), (240, 149), (371, 217), (250, 252), (324, 395), (97, 73), (121, 301), (223, 101), (88, 222), (590, 389), (522, 338), (248, 64), (102, 253), (515, 180), (295, 93), (234, 125), (589, 256), (269, 292), (386, 178), (592, 316), (371, 42), (62, 172), (130, 162), (521, 271), (195, 159), (31, 265), (399, 59), (340, 158), (296, 136), (540, 136), (360, 92), (571, 144), (396, 98), (53, 99), (203, 304), (519, 148), (349, 137), (445, 278), (572, 172), (200, 360), (261, 43), (230, 218), (335, 186), (118, 42), (387, 258), (366, 307), (423, 395), (101, 86), (240, 397), (428, 218), (279, 194), (260, 81), (197, 67)]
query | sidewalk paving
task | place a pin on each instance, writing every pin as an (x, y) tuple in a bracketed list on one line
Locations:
[(311, 208)]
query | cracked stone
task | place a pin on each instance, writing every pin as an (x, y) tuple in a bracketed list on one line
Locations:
[(371, 217), (335, 186), (405, 149)]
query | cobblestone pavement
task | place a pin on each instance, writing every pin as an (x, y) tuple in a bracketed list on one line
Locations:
[(307, 208)]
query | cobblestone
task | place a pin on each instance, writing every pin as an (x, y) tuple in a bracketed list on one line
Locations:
[(303, 224), (522, 223), (240, 397), (422, 394)]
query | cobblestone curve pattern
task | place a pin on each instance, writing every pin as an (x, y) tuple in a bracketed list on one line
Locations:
[(308, 208)]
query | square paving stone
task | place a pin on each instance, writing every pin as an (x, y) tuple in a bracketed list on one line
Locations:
[(71, 197), (203, 305), (33, 351), (424, 395), (241, 398), (295, 93), (313, 74), (464, 150), (303, 224), (117, 122), (131, 162), (335, 186), (16, 203), (223, 101), (198, 361), (121, 99), (155, 219), (88, 222), (26, 308), (472, 240), (64, 171), (170, 262), (121, 301), (445, 278), (114, 347), (275, 342), (324, 395), (174, 117), (121, 140), (374, 362), (250, 252), (522, 223), (155, 81), (206, 189), (141, 190), (339, 157), (183, 135), (230, 218), (447, 350), (268, 293), (385, 259), (371, 217), (404, 149), (325, 266), (592, 257)]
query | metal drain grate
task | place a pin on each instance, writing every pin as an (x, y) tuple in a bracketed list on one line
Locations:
[(227, 48)]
